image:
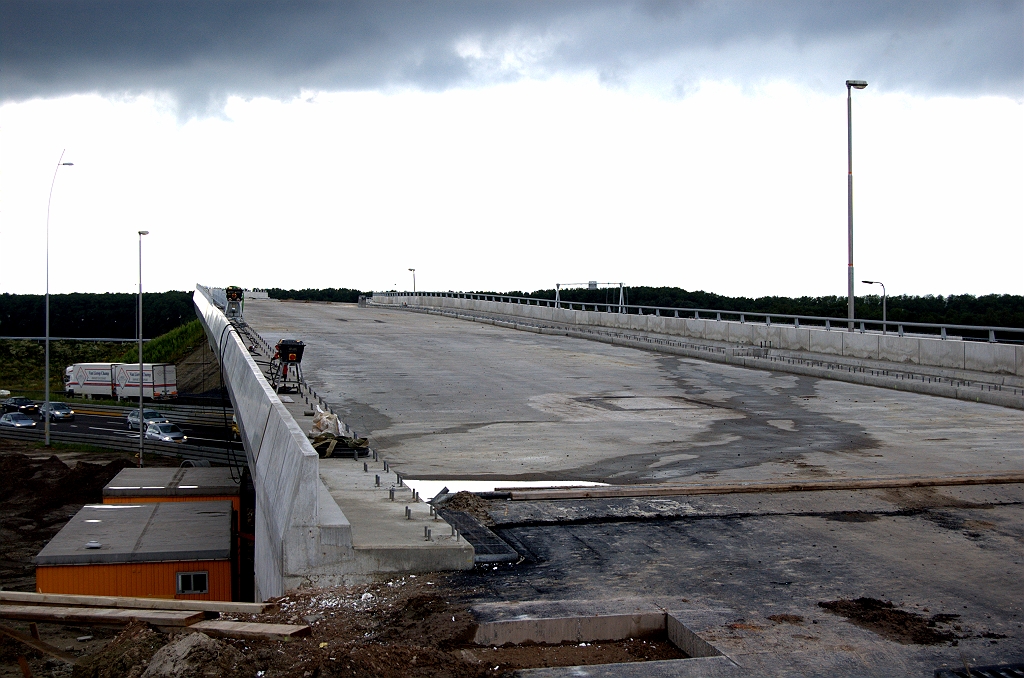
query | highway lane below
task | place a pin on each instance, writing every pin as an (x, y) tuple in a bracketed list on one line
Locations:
[(106, 426)]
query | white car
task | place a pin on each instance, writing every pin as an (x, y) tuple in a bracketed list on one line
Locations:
[(17, 420), (131, 422), (165, 431)]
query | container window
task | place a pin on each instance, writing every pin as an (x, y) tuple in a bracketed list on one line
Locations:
[(193, 582)]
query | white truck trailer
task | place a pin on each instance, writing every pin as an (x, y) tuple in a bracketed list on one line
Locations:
[(121, 380)]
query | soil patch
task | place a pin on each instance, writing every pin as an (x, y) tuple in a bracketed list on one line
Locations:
[(196, 655), (881, 616), (38, 494), (476, 506), (786, 618), (127, 655), (573, 654)]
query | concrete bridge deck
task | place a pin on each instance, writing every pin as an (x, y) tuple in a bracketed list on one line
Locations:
[(450, 399), (444, 398)]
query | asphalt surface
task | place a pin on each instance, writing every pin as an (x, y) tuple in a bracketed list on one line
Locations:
[(106, 426), (732, 562)]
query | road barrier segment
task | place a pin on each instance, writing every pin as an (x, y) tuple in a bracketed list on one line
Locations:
[(988, 357), (302, 536)]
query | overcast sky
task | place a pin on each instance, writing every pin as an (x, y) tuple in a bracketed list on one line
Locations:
[(496, 145)]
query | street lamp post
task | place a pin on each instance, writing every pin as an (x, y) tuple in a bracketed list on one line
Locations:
[(46, 369), (875, 282), (850, 86), (142, 381), (413, 270)]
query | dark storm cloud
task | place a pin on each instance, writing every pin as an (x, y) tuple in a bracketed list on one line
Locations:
[(202, 51)]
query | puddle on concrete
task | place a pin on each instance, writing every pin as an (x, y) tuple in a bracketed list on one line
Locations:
[(430, 488)]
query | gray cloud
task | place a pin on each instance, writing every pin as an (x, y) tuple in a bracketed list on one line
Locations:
[(201, 51)]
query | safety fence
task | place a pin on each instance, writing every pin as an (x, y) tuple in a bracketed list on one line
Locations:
[(992, 334), (933, 351)]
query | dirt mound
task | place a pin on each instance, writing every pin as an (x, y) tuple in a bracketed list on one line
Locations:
[(472, 504), (196, 655), (403, 660), (427, 619), (37, 497), (881, 616), (39, 485), (127, 655)]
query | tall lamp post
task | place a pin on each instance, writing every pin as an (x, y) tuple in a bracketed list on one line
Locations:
[(46, 369), (413, 270), (875, 282), (142, 381), (850, 86)]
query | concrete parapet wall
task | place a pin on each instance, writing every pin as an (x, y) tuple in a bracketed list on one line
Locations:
[(299, 528), (944, 353)]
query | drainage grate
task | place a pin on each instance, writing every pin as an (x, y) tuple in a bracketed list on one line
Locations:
[(1000, 671), (488, 547)]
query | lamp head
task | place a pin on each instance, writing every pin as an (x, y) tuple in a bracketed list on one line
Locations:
[(67, 164), (868, 282), (143, 232), (413, 270), (856, 84)]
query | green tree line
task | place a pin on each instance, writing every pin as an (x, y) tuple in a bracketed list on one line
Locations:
[(94, 315), (22, 362), (342, 294)]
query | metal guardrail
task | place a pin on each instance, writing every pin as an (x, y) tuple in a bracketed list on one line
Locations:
[(109, 340), (215, 455), (839, 324)]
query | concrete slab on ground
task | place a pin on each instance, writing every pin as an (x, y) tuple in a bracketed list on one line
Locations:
[(746, 573)]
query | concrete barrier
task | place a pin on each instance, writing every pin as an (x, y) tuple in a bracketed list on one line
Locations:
[(987, 357), (301, 534)]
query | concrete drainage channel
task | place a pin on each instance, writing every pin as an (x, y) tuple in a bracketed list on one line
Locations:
[(589, 637)]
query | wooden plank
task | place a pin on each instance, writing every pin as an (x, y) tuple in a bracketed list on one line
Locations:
[(98, 615), (251, 630), (227, 607), (615, 491), (35, 643)]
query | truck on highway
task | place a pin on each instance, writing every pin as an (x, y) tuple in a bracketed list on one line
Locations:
[(121, 380)]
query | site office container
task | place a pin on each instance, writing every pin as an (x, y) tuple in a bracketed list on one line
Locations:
[(193, 484), (121, 380), (181, 550), (136, 580)]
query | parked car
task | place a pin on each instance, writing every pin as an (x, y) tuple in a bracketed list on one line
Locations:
[(151, 416), (17, 420), (20, 404), (165, 431), (58, 412)]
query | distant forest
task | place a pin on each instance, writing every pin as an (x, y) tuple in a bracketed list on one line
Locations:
[(1002, 310), (94, 315), (113, 315), (342, 294)]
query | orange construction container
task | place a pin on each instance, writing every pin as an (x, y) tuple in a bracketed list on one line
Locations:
[(161, 550), (140, 485)]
